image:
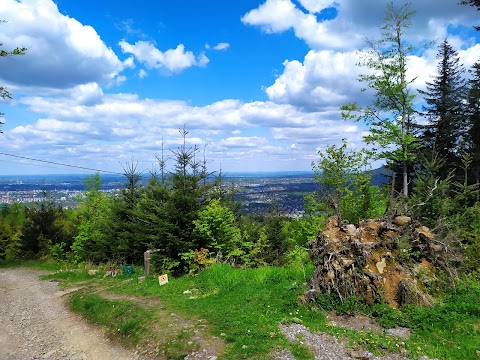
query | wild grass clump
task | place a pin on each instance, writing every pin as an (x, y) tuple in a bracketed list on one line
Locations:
[(121, 318)]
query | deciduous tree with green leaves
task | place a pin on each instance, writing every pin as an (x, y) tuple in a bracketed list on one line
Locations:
[(215, 230), (345, 184), (94, 215), (4, 93), (390, 116)]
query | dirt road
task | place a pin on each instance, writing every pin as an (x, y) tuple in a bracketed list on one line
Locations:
[(35, 323)]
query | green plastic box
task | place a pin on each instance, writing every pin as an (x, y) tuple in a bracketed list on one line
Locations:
[(128, 269)]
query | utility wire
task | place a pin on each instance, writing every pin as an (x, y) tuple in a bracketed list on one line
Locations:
[(57, 163), (28, 164)]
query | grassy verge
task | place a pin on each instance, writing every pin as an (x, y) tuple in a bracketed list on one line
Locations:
[(120, 317), (36, 264), (244, 307)]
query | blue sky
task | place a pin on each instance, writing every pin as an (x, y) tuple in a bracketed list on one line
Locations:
[(259, 81)]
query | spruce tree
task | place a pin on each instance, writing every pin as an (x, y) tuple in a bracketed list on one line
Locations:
[(473, 124), (125, 241), (444, 110)]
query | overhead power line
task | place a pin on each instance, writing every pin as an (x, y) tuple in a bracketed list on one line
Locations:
[(61, 164)]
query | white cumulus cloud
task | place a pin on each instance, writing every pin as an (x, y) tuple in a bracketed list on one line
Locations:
[(56, 45), (171, 61), (221, 46)]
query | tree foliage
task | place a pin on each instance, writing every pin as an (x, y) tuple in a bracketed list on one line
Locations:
[(472, 133), (445, 110), (4, 93), (390, 116), (474, 3), (94, 214), (344, 182)]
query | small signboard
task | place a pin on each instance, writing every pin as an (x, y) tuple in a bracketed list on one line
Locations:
[(163, 279)]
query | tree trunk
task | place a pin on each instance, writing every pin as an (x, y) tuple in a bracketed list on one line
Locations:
[(405, 179), (478, 187)]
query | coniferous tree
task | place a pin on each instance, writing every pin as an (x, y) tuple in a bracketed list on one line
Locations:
[(41, 230), (444, 110), (125, 240), (188, 194), (473, 125)]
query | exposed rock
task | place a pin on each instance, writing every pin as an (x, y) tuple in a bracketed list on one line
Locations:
[(361, 355), (92, 272), (381, 266), (402, 220), (351, 229)]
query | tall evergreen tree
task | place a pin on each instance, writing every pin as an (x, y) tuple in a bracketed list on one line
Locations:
[(126, 244), (188, 195), (473, 124), (444, 110), (41, 229)]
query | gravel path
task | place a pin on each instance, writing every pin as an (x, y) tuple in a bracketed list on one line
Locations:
[(327, 347), (36, 324)]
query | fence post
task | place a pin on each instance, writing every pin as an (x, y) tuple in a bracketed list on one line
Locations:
[(146, 260)]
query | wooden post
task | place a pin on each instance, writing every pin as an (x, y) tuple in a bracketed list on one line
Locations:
[(146, 260)]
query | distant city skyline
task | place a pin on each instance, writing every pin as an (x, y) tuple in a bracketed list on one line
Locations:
[(256, 83)]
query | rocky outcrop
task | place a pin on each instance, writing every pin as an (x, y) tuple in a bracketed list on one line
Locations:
[(392, 260)]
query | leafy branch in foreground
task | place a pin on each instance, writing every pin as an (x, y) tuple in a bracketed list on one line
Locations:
[(4, 93)]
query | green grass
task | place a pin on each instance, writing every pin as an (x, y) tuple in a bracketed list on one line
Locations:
[(450, 330), (46, 265), (121, 318), (244, 308)]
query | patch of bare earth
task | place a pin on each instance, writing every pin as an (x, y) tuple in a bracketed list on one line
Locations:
[(172, 328), (364, 323), (326, 347)]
